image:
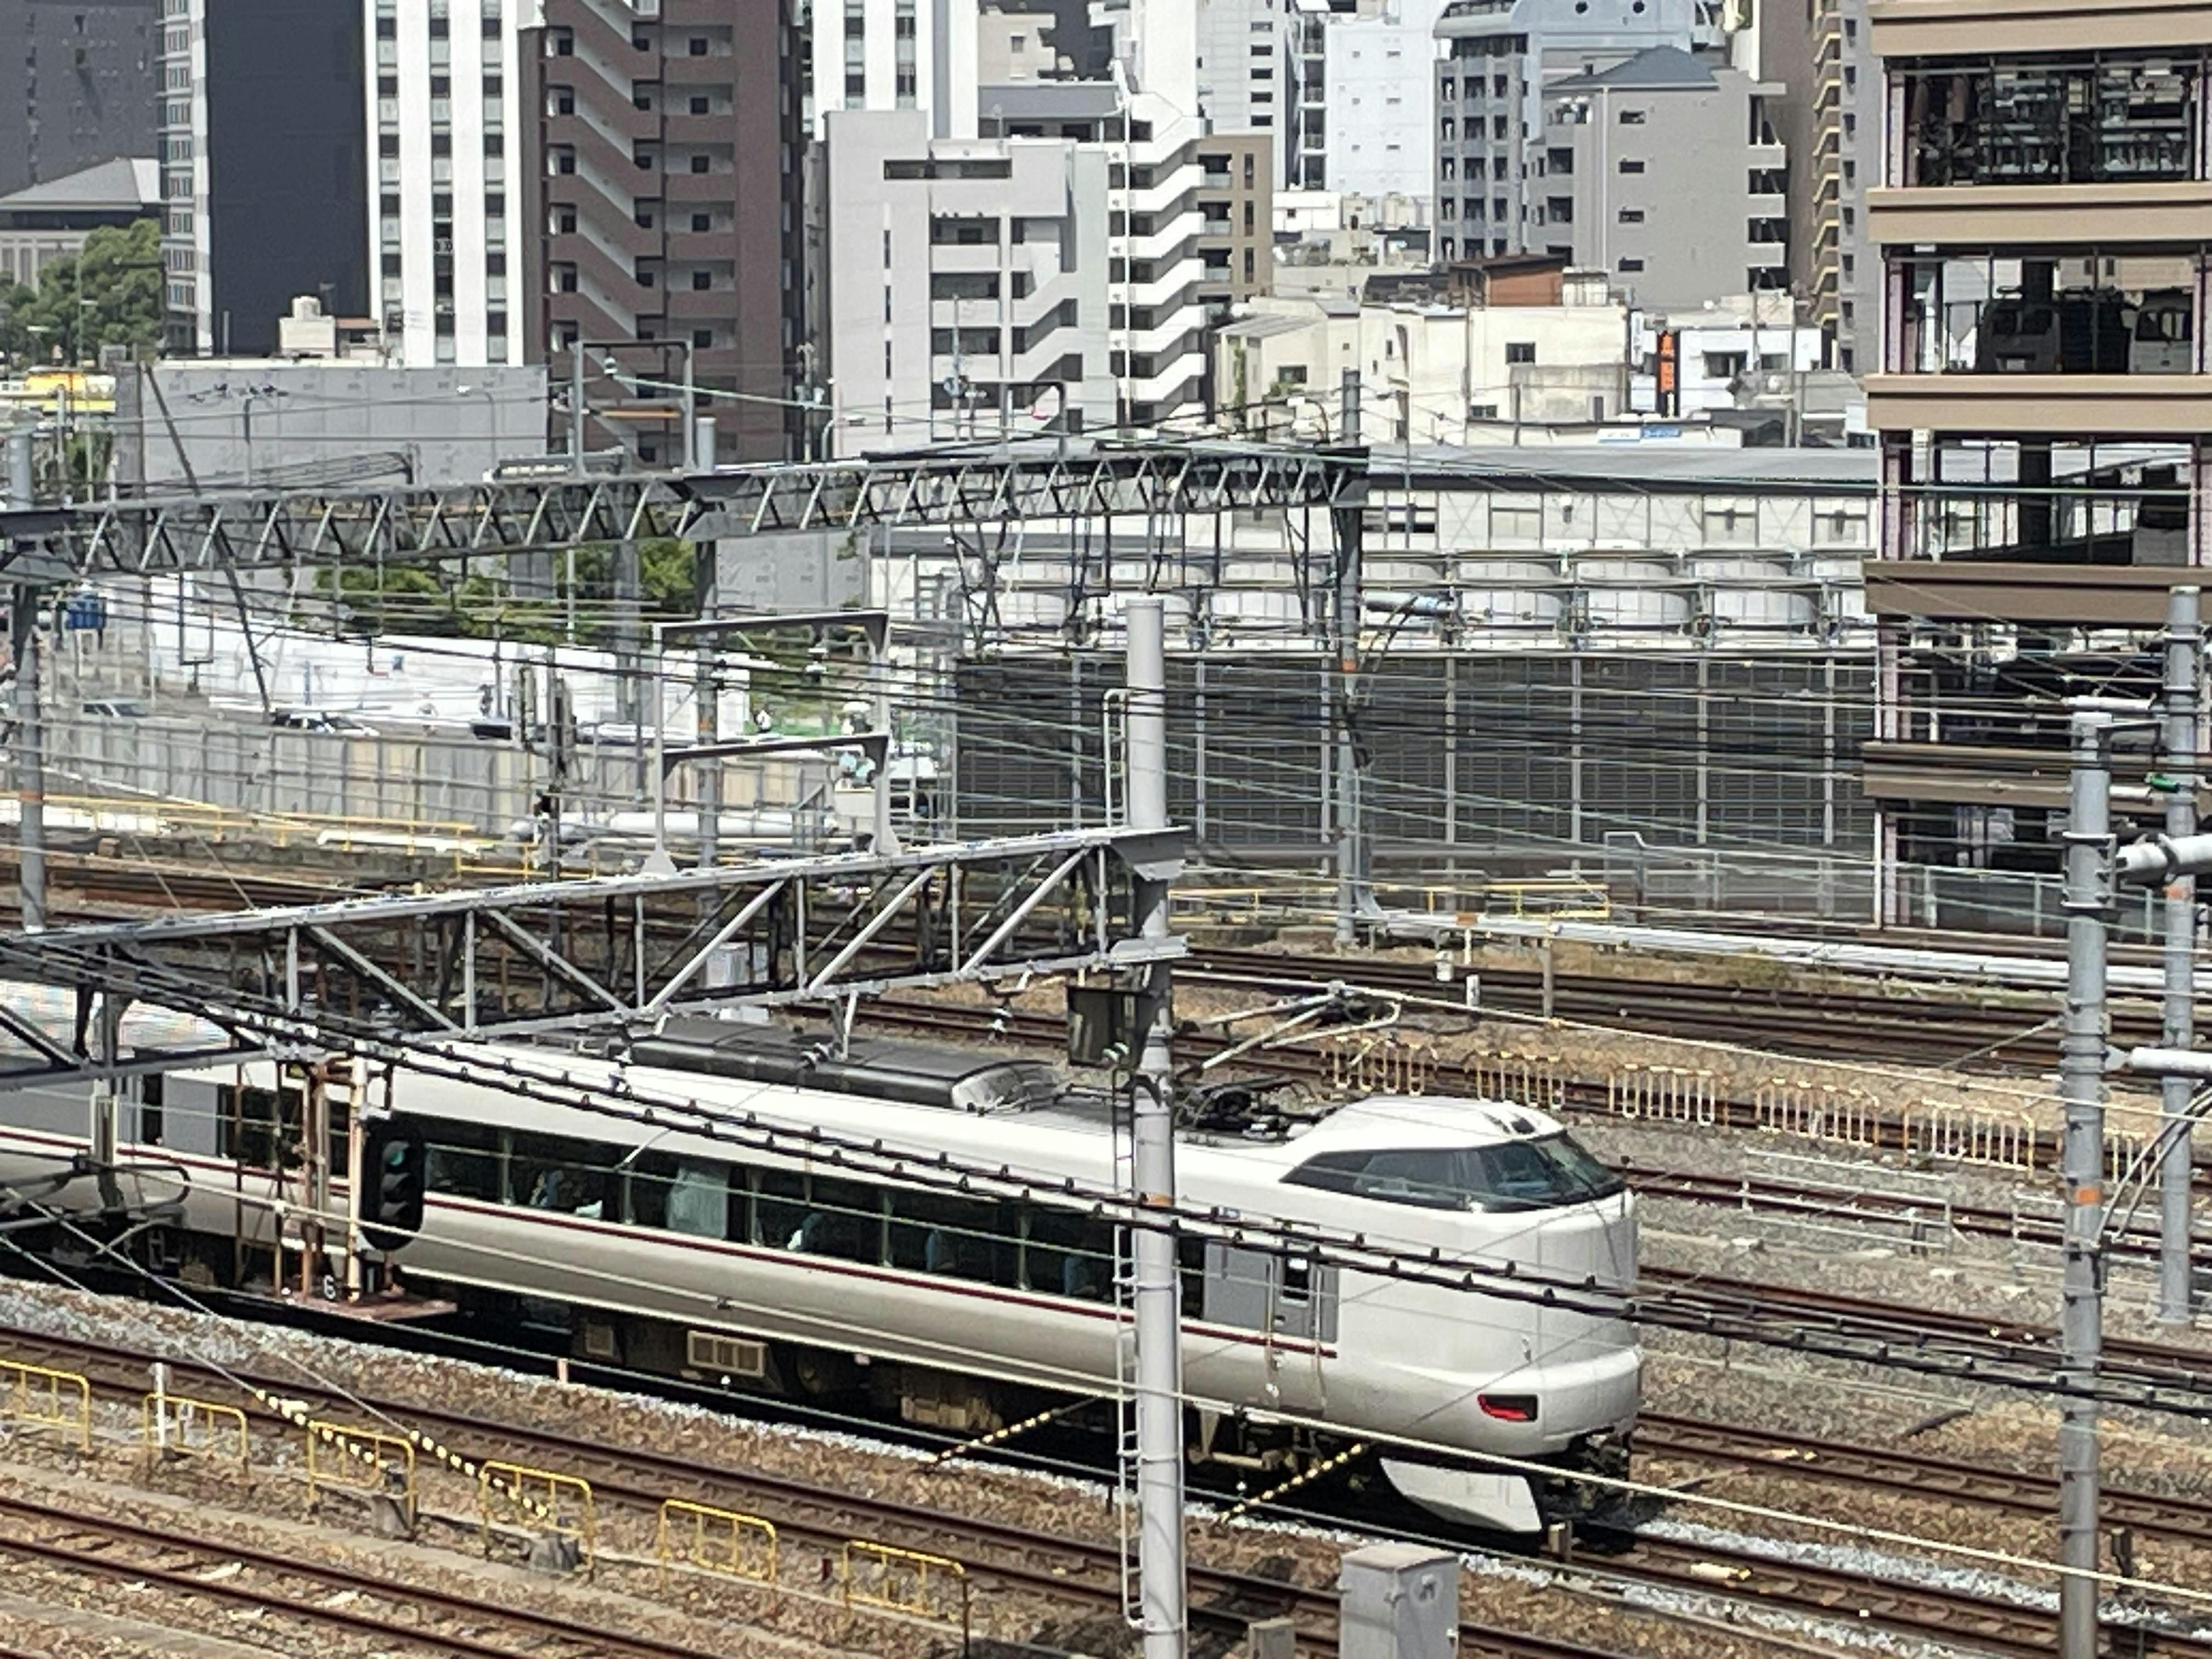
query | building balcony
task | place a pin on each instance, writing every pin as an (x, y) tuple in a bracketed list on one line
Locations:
[(697, 186), (688, 303), (688, 72), (1985, 774), (1959, 28), (2055, 406), (689, 129), (2050, 215), (2063, 595), (701, 245)]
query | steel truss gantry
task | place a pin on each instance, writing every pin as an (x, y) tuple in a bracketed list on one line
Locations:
[(612, 952), (259, 529)]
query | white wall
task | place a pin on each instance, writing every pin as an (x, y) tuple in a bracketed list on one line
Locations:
[(1381, 100)]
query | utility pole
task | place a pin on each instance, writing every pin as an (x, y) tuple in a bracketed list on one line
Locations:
[(27, 740), (2082, 1088), (2184, 647), (1349, 526), (1157, 1296)]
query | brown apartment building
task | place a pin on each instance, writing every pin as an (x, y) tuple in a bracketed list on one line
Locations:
[(2043, 218), (669, 217)]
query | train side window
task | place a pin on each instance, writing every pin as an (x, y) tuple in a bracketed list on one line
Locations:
[(149, 1109), (252, 1127), (1065, 1254), (942, 1233), (554, 1172), (781, 1207), (341, 1140), (464, 1160), (844, 1219), (1190, 1259), (681, 1195)]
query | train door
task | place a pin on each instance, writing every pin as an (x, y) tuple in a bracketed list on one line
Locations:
[(1287, 1297)]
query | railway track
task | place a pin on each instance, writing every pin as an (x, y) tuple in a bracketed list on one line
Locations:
[(1884, 1132), (2168, 1367), (1975, 1028), (1765, 1194), (175, 1558), (1011, 1558), (1908, 1474)]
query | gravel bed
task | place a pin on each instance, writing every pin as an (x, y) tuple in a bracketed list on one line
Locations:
[(1504, 1590)]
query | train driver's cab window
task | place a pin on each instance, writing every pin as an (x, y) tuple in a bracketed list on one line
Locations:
[(553, 1172), (1541, 1172)]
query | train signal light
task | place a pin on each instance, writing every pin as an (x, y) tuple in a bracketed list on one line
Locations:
[(395, 1185)]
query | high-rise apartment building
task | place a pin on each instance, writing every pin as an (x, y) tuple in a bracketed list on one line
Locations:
[(449, 161), (1499, 58), (78, 86), (663, 197), (2042, 220), (1626, 148), (265, 167), (1831, 126)]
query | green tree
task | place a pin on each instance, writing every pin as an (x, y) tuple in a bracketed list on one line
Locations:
[(109, 294)]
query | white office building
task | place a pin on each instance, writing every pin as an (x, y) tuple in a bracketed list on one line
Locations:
[(1379, 90), (447, 152)]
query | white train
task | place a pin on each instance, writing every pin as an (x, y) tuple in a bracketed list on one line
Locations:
[(679, 1253)]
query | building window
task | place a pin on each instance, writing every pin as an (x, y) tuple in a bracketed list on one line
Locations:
[(698, 164), (1520, 351), (702, 336), (1631, 265), (698, 106), (697, 46), (1629, 164), (1632, 216), (703, 222), (1631, 117), (701, 280)]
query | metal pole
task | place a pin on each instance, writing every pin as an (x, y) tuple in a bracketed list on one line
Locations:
[(705, 694), (658, 862), (1348, 525), (22, 490), (576, 408), (690, 411), (2082, 1087), (2183, 642), (28, 741), (1158, 1296)]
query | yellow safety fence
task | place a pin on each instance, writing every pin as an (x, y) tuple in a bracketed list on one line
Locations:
[(715, 1540), (509, 1495), (907, 1582), (1839, 1114), (175, 1425), (1661, 1094), (1378, 1066), (39, 1398), (361, 1460)]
